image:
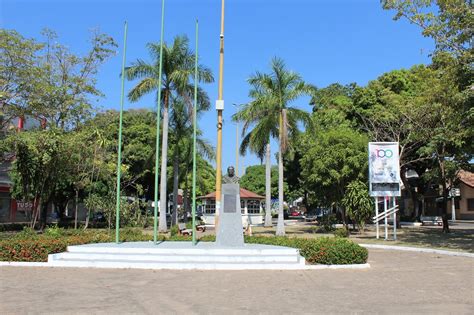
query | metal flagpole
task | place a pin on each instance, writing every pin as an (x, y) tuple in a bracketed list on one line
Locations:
[(386, 220), (376, 215), (194, 133), (394, 203), (158, 116), (220, 108), (119, 155)]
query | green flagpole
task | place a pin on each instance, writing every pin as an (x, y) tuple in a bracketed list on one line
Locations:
[(158, 113), (119, 156), (194, 133)]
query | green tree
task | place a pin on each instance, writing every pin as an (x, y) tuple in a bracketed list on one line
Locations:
[(254, 180), (182, 146), (271, 113), (335, 155), (178, 69), (449, 22), (359, 205), (19, 74)]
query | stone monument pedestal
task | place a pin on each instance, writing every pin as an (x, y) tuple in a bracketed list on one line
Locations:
[(230, 229)]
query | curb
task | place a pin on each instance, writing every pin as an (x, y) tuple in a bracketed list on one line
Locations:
[(418, 249), (306, 267), (320, 267)]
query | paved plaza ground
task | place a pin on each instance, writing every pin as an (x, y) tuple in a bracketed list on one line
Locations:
[(397, 283)]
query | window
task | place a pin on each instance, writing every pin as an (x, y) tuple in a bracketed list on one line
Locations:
[(470, 204), (210, 207), (242, 206), (253, 206)]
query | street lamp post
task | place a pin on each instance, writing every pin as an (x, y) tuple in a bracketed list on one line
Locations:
[(237, 143)]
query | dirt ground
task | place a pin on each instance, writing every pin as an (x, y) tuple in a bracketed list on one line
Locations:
[(397, 283)]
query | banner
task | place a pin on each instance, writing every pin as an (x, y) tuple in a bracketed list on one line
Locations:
[(384, 169)]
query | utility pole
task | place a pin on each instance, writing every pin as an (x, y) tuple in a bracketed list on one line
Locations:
[(220, 108)]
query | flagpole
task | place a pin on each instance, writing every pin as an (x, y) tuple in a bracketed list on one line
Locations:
[(194, 133), (158, 116), (119, 155), (220, 108)]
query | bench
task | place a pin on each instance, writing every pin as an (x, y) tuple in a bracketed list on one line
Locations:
[(432, 220), (182, 230), (185, 231)]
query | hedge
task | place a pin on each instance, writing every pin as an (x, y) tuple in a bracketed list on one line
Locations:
[(26, 246), (322, 250)]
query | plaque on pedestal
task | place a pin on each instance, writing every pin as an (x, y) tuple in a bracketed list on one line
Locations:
[(230, 229)]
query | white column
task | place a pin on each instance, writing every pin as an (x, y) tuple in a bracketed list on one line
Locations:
[(376, 215), (453, 209), (394, 220), (386, 219)]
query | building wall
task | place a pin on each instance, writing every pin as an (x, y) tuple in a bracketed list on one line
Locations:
[(247, 218), (463, 212)]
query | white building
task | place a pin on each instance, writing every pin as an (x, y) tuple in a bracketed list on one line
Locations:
[(251, 206)]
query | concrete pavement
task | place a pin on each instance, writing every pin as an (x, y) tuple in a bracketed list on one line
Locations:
[(398, 282)]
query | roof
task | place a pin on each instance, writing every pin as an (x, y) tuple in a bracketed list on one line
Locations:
[(244, 194), (467, 178)]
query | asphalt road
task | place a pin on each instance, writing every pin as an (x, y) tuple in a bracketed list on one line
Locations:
[(398, 283)]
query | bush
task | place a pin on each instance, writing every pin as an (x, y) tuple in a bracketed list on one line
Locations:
[(323, 250), (174, 230), (54, 231), (341, 232), (327, 222)]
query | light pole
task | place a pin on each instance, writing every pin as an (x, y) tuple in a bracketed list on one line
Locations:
[(220, 108), (237, 142)]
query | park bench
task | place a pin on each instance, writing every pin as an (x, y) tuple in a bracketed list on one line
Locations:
[(185, 231), (431, 220)]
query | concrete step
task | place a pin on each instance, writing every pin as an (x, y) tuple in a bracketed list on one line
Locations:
[(179, 255), (176, 257), (150, 248), (176, 265)]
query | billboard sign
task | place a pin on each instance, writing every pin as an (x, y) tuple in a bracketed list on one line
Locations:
[(384, 169)]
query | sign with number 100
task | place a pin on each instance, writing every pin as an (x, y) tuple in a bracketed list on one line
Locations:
[(384, 169)]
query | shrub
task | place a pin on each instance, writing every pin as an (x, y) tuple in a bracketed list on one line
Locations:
[(327, 222), (26, 233), (341, 232), (54, 231), (174, 230), (323, 250)]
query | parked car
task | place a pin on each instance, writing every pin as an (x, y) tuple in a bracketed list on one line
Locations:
[(311, 216), (295, 213)]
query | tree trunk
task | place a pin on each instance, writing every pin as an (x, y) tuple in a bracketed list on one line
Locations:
[(174, 217), (268, 189), (76, 206), (164, 161), (280, 231), (444, 210)]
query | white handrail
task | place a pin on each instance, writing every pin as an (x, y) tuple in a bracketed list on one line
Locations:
[(385, 214)]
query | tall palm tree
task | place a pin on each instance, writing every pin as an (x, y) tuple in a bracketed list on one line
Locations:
[(271, 115), (182, 140), (176, 80)]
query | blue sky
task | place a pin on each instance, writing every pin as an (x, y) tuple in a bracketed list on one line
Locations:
[(325, 41)]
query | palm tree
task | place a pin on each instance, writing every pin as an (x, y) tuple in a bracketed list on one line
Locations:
[(178, 70), (182, 136), (271, 115)]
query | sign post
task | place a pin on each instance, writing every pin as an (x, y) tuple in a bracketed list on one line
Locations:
[(377, 214), (384, 180)]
